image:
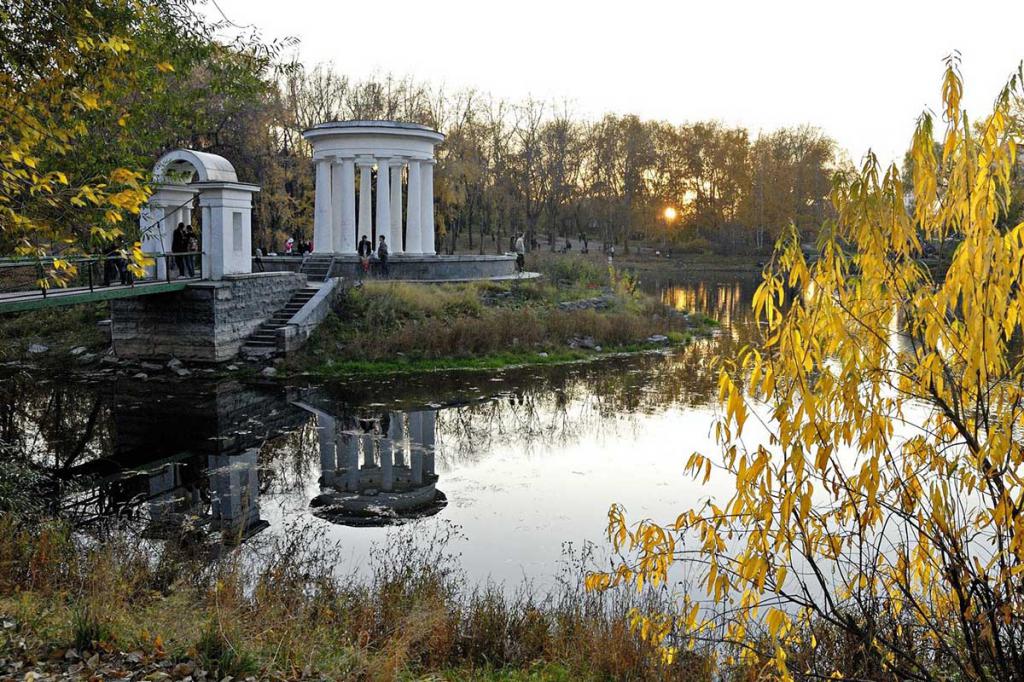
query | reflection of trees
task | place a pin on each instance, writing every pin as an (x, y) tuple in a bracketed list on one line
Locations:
[(53, 425), (287, 461), (559, 407)]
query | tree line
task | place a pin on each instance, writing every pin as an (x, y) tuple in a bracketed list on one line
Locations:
[(537, 167), (157, 76)]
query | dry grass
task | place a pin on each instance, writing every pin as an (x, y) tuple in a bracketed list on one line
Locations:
[(382, 321), (290, 611)]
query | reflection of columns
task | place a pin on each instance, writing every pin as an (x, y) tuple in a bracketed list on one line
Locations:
[(350, 451), (415, 426), (365, 198), (427, 429), (345, 238), (323, 237), (396, 207), (325, 431), (234, 493), (414, 212), (366, 442), (427, 207), (383, 202), (417, 466), (427, 439), (387, 472)]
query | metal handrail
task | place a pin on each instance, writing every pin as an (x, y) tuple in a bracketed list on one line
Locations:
[(9, 262), (90, 261)]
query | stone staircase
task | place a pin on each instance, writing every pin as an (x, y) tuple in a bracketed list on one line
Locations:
[(264, 339), (317, 266)]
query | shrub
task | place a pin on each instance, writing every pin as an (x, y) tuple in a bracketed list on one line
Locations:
[(698, 245)]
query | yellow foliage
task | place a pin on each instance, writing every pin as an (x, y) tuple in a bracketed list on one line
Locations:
[(43, 210), (892, 488)]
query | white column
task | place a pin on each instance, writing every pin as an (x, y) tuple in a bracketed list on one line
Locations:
[(206, 261), (347, 241), (227, 228), (336, 205), (383, 202), (365, 198), (414, 211), (151, 225), (396, 207), (427, 207), (323, 236)]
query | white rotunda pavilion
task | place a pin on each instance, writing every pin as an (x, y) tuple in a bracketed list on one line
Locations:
[(400, 153)]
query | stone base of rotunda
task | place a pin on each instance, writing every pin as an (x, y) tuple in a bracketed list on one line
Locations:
[(457, 268)]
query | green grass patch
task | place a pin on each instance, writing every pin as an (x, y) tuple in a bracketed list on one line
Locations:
[(60, 329)]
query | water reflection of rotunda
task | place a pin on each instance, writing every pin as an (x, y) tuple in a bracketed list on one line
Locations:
[(377, 468)]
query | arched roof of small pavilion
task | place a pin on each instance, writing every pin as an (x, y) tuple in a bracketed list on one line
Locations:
[(192, 166)]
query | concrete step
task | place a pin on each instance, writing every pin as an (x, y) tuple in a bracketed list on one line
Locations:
[(265, 335)]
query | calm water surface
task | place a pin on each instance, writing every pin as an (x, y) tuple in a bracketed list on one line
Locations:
[(519, 461)]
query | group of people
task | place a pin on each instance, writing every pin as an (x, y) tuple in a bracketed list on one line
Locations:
[(115, 266), (367, 251), (184, 244), (301, 247)]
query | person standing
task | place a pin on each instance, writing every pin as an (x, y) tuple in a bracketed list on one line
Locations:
[(123, 265), (191, 245), (520, 253), (382, 256), (179, 245), (365, 250), (259, 260)]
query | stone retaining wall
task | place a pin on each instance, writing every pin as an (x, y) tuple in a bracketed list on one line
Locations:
[(208, 321), (429, 268)]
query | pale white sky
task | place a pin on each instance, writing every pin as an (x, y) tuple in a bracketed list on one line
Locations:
[(862, 70)]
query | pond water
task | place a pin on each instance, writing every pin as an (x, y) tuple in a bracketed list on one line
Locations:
[(519, 461)]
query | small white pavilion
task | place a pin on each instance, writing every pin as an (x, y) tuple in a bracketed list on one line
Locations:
[(398, 151), (226, 204)]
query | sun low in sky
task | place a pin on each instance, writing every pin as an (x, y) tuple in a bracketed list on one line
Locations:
[(861, 71)]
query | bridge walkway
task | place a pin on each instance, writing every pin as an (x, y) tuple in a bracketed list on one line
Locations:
[(29, 296)]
